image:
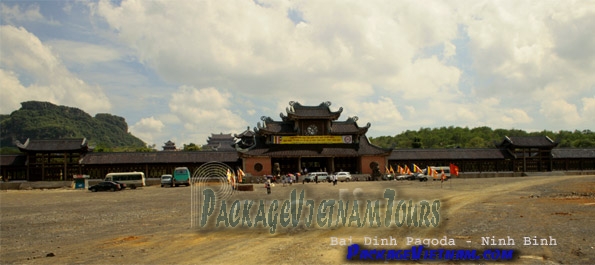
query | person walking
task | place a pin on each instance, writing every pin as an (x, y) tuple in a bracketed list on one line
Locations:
[(267, 185)]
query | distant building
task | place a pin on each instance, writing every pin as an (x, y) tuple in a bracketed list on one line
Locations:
[(220, 142), (169, 146), (56, 159), (309, 138)]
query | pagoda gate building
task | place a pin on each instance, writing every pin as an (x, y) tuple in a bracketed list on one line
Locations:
[(309, 139)]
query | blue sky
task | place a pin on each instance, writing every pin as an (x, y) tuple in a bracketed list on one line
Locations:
[(181, 70)]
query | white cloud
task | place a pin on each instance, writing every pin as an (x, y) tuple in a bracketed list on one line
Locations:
[(34, 72), (244, 43), (83, 53), (567, 115), (15, 14), (148, 129), (398, 65), (382, 114), (204, 111), (428, 80), (527, 46)]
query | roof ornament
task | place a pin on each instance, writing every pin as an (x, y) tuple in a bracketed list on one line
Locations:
[(327, 103), (290, 109)]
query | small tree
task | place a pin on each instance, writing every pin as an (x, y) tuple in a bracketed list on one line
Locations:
[(416, 143), (191, 147)]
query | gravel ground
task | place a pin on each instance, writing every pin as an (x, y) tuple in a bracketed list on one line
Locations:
[(152, 225)]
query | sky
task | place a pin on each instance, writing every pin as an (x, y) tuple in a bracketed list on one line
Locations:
[(183, 70)]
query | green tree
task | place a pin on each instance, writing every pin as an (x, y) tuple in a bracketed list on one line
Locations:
[(191, 147), (148, 148), (583, 143), (476, 142), (416, 143)]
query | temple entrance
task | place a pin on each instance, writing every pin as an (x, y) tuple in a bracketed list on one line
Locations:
[(348, 164), (316, 164), (287, 165)]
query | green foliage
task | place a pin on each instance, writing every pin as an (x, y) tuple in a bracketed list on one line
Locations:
[(9, 150), (150, 148), (44, 120), (480, 137), (191, 147)]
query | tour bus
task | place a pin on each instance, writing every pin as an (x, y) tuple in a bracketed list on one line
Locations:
[(131, 179), (181, 176)]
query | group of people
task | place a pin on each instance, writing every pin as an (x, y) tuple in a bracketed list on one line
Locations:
[(285, 179)]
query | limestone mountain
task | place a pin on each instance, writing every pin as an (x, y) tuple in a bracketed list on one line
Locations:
[(44, 120)]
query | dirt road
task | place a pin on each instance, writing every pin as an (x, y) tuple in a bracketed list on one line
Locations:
[(152, 225)]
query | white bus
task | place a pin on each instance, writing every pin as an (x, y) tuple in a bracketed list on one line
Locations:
[(131, 179)]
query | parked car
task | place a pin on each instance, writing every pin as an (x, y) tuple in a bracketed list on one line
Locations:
[(122, 185), (388, 177), (420, 176), (104, 186), (322, 176), (343, 176), (406, 177), (402, 177), (166, 180)]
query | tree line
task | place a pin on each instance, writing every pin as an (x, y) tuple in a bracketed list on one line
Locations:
[(480, 137)]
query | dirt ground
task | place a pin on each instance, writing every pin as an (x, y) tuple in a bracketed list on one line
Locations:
[(152, 225)]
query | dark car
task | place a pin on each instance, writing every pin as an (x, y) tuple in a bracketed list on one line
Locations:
[(122, 185), (105, 185)]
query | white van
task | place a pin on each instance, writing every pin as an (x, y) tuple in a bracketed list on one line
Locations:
[(311, 177), (439, 169), (131, 179)]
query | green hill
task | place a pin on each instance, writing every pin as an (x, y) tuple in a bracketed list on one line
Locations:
[(44, 120)]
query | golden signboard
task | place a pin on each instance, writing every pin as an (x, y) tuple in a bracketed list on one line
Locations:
[(315, 139)]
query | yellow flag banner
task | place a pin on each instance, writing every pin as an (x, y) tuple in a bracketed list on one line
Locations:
[(315, 139)]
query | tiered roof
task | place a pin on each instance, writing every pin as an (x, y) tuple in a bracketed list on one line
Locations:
[(348, 127), (297, 111), (169, 146), (269, 126), (220, 142), (573, 153), (527, 142), (54, 145), (362, 147), (13, 160), (288, 126)]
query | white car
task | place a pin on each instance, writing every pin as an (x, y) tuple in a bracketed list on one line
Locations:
[(166, 180), (343, 176)]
